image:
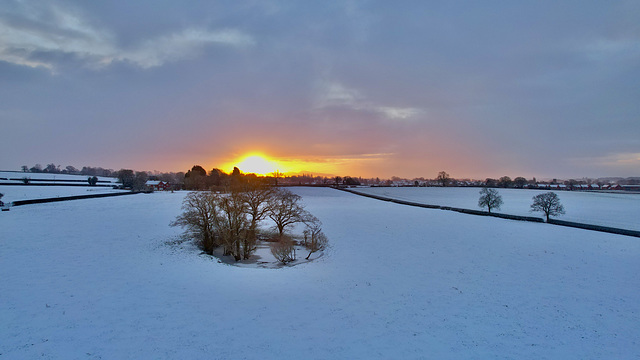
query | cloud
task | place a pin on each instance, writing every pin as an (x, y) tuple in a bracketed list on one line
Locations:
[(25, 38), (334, 94), (173, 47), (606, 49), (398, 112)]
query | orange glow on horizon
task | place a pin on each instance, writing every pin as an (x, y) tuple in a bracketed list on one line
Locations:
[(258, 164), (265, 165)]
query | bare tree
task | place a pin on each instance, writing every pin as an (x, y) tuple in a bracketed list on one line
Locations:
[(443, 178), (199, 216), (283, 250), (285, 209), (276, 175), (549, 203), (232, 224), (314, 238), (490, 199), (256, 198)]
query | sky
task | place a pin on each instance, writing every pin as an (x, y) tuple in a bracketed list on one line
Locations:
[(361, 88)]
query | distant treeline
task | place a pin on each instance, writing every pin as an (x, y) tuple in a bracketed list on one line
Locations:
[(197, 177)]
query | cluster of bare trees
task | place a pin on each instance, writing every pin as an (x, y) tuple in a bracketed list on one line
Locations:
[(547, 203), (230, 220)]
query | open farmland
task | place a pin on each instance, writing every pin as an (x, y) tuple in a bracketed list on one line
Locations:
[(619, 209), (94, 279), (59, 185)]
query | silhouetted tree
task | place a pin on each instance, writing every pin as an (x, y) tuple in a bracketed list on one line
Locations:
[(504, 182), (25, 168), (52, 168), (519, 182), (443, 178), (256, 197), (348, 180), (198, 170), (276, 175), (92, 180), (489, 182), (196, 178), (37, 168), (217, 178), (490, 199), (236, 177), (126, 177), (71, 170), (549, 203)]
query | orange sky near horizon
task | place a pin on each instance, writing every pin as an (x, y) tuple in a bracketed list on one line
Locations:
[(261, 163)]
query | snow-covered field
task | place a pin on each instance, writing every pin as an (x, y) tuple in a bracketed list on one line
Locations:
[(621, 210), (17, 176), (33, 191), (21, 192), (94, 279)]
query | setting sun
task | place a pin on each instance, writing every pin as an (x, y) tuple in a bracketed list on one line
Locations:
[(257, 164)]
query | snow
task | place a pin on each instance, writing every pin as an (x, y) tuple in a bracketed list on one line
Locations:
[(621, 210), (7, 176), (95, 279)]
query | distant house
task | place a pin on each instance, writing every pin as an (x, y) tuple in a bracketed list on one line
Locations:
[(158, 185)]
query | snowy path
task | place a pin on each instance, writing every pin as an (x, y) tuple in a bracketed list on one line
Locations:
[(91, 279)]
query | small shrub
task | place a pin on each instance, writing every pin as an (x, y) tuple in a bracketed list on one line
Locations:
[(283, 250)]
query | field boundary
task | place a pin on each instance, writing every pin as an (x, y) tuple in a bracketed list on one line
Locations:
[(74, 197), (583, 226)]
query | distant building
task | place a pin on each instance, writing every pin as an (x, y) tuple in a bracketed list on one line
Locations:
[(158, 185)]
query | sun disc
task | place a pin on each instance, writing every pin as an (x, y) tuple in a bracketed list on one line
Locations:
[(257, 164)]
